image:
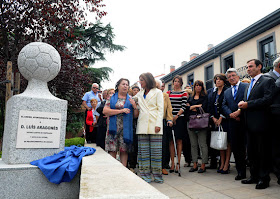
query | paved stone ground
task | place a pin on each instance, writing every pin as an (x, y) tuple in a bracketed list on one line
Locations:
[(211, 184)]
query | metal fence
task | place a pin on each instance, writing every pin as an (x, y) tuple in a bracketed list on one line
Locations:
[(268, 62), (267, 65)]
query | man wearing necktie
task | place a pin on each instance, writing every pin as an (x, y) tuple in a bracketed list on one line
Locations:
[(232, 97), (257, 100)]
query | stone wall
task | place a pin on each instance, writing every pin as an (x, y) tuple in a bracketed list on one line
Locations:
[(102, 176)]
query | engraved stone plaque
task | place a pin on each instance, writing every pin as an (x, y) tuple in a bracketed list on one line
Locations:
[(38, 129)]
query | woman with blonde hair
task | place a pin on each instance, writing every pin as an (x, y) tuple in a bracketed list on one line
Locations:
[(102, 120), (110, 92), (91, 121), (246, 80)]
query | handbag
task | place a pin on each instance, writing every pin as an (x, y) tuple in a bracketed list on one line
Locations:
[(199, 121), (219, 139)]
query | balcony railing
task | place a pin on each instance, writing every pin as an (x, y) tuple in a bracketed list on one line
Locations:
[(242, 71), (268, 62), (267, 65)]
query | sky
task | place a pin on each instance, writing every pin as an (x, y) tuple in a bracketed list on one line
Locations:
[(161, 33)]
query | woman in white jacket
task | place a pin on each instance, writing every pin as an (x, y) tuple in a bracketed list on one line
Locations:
[(149, 129)]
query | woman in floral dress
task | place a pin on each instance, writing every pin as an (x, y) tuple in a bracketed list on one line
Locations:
[(120, 108)]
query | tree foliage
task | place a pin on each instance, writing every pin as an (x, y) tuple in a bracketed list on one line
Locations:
[(90, 44), (97, 75), (52, 21), (55, 22), (61, 24)]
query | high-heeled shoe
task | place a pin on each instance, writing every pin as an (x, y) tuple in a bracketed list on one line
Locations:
[(177, 169), (225, 171), (171, 170), (219, 170)]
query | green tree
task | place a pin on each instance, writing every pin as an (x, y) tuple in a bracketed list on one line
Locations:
[(55, 22), (98, 75), (91, 44)]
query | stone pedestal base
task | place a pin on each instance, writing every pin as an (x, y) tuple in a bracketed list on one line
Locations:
[(26, 181), (13, 155)]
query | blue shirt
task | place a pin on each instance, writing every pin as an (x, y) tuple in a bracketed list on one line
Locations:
[(276, 73), (90, 95)]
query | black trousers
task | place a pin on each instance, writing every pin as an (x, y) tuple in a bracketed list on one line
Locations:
[(100, 137), (91, 135), (187, 147), (132, 155), (212, 153), (238, 145), (275, 145), (165, 145), (259, 154)]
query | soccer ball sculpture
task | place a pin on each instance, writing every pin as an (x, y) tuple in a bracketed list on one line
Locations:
[(40, 61)]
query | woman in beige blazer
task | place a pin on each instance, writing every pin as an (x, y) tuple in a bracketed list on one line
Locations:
[(167, 130), (149, 129)]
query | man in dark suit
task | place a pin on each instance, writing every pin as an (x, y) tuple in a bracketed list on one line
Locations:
[(276, 70), (257, 100), (232, 97), (275, 118)]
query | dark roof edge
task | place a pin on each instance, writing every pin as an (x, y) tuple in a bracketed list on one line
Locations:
[(251, 31)]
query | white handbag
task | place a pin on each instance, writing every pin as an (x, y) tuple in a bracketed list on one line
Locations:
[(219, 139)]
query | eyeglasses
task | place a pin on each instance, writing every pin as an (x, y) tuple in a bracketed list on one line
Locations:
[(95, 87)]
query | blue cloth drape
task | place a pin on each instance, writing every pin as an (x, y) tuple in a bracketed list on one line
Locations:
[(63, 166), (127, 119)]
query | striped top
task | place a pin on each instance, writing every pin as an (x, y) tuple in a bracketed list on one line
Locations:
[(178, 101)]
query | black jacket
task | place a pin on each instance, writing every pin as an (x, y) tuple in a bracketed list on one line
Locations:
[(212, 101), (259, 101), (202, 100), (275, 106), (101, 120)]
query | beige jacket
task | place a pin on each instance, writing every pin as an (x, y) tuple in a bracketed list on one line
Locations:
[(167, 114), (151, 112)]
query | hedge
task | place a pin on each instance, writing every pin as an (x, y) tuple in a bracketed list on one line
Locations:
[(78, 141)]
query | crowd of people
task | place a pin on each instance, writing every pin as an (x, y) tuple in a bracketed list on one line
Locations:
[(145, 125)]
